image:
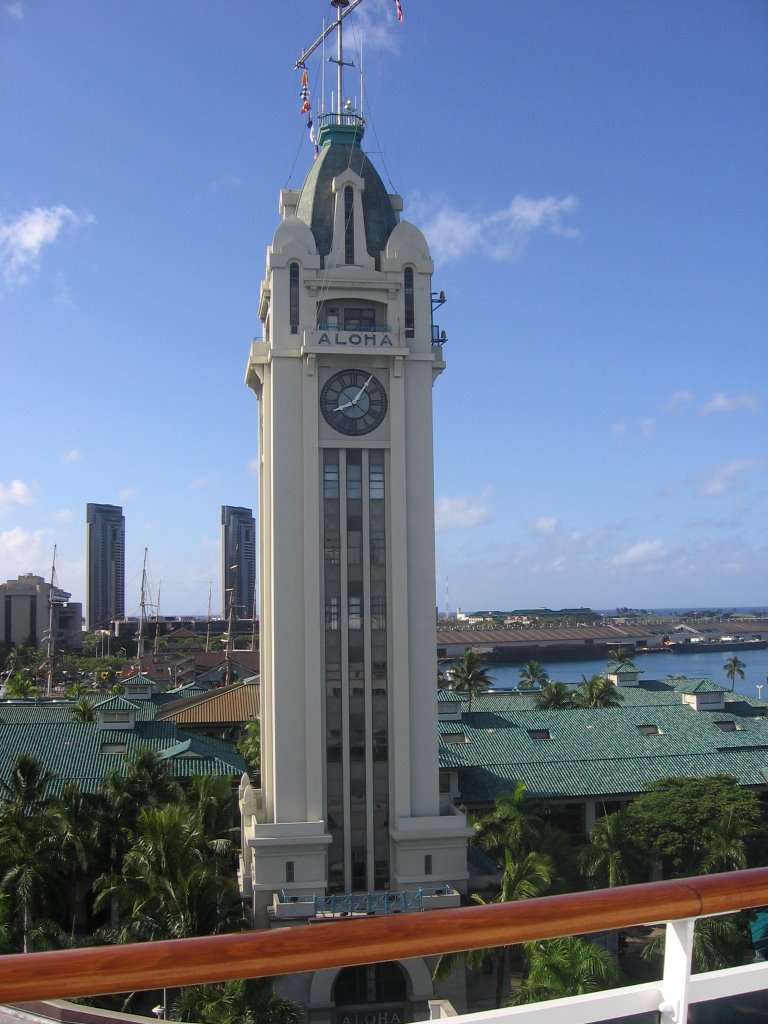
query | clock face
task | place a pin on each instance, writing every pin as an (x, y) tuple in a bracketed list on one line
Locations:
[(353, 402)]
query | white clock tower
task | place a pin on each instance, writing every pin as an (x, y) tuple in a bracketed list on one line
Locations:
[(350, 799)]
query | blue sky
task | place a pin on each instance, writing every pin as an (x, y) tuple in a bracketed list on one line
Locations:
[(592, 181)]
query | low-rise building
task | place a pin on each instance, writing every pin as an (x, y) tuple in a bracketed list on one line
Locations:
[(26, 605)]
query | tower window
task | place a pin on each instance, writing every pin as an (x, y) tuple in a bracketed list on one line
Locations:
[(409, 301), (332, 613), (355, 612), (289, 871), (293, 297), (427, 863), (378, 612), (330, 478), (349, 225), (376, 479)]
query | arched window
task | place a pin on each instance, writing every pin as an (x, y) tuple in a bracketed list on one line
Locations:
[(409, 306), (293, 297), (349, 225)]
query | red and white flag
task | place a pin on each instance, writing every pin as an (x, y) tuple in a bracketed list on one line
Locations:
[(305, 104), (399, 9)]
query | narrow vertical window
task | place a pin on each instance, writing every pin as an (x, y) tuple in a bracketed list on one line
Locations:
[(289, 871), (349, 225), (427, 863), (409, 306), (293, 297)]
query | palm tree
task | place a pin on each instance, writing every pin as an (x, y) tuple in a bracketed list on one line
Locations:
[(82, 711), (521, 879), (621, 656), (734, 667), (532, 675), (26, 790), (21, 686), (512, 825), (245, 1001), (73, 831), (567, 966), (608, 859), (470, 676), (723, 846), (718, 942), (597, 692), (26, 844), (249, 745), (556, 695)]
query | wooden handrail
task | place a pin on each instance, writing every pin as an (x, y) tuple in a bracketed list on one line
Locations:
[(154, 965)]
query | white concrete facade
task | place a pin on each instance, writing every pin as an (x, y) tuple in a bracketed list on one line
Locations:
[(324, 743)]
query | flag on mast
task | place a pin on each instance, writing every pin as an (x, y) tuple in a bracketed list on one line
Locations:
[(305, 104), (399, 9)]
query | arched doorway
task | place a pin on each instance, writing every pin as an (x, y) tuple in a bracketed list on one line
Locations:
[(371, 994)]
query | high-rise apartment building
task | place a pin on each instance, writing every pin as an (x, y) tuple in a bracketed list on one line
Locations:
[(238, 561), (104, 565)]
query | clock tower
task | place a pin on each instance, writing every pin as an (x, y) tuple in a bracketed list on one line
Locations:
[(350, 799)]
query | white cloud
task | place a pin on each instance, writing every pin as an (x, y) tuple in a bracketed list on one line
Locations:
[(376, 24), (70, 456), (545, 524), (462, 512), (724, 478), (15, 10), (253, 466), (21, 551), (677, 399), (644, 552), (619, 429), (501, 235), (126, 493), (199, 484), (225, 181), (22, 240), (64, 515), (14, 494), (736, 403), (647, 427)]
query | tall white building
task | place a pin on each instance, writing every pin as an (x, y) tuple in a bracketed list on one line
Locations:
[(350, 796)]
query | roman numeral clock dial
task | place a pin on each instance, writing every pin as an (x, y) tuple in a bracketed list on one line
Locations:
[(353, 402)]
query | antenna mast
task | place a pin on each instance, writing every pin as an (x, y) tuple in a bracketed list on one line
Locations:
[(51, 646), (142, 608), (208, 625), (156, 647)]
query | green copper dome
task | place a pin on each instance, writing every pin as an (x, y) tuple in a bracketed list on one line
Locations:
[(340, 152)]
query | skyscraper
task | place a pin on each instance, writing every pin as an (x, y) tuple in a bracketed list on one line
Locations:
[(238, 560), (104, 565)]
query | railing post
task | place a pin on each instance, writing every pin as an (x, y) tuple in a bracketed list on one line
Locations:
[(678, 958)]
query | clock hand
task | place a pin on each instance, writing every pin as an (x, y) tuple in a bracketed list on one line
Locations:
[(356, 399), (341, 408)]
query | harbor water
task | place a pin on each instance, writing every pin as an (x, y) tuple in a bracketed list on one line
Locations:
[(696, 665)]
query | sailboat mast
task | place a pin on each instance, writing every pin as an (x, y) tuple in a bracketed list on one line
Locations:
[(51, 646), (208, 624), (142, 609), (156, 647)]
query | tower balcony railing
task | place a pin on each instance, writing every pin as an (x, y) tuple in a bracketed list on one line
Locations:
[(357, 904), (341, 119), (367, 329), (367, 940)]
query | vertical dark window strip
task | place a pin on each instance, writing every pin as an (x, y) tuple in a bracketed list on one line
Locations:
[(409, 302), (293, 297), (349, 225)]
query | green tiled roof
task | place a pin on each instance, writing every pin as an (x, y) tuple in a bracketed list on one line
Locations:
[(116, 703), (73, 750), (446, 696), (602, 751), (685, 685)]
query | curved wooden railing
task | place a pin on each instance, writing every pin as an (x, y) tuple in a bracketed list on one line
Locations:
[(139, 966)]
